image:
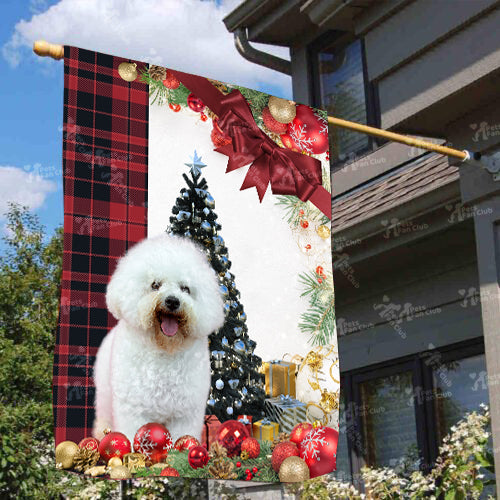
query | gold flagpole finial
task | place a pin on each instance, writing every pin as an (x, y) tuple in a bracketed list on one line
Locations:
[(43, 48)]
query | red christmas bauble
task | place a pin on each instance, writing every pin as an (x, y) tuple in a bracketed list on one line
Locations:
[(171, 82), (319, 450), (186, 442), (251, 446), (195, 103), (281, 451), (307, 132), (169, 472), (89, 443), (288, 143), (153, 440), (300, 431), (304, 224), (198, 457), (219, 138), (231, 435), (272, 124), (114, 444)]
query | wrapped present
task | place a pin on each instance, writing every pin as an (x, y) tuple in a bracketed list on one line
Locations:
[(318, 385), (247, 421), (288, 412), (209, 431), (280, 378), (265, 430)]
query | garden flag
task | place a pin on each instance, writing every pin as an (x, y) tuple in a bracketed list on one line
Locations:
[(197, 324)]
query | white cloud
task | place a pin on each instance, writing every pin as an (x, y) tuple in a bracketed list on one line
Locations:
[(187, 35), (24, 187)]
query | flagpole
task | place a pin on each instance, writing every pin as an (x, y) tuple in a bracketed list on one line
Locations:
[(45, 49)]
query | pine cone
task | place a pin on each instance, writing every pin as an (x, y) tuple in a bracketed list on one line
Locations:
[(85, 459), (157, 73), (283, 436), (222, 87), (217, 450), (222, 469)]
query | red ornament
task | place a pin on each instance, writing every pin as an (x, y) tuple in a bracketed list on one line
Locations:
[(281, 451), (308, 246), (171, 82), (153, 440), (251, 446), (186, 443), (238, 464), (219, 138), (195, 103), (114, 444), (272, 124), (203, 117), (255, 470), (304, 224), (198, 457), (247, 471), (288, 143), (319, 450), (89, 443), (249, 477), (231, 435), (300, 431), (308, 132), (169, 472), (301, 211), (319, 271), (175, 107), (320, 280)]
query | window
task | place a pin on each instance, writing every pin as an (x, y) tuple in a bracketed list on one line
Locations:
[(403, 409), (340, 86)]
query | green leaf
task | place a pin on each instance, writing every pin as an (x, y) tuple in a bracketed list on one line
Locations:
[(450, 494)]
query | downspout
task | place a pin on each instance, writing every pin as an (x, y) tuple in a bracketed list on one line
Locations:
[(257, 56)]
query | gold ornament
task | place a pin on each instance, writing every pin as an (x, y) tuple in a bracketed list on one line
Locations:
[(114, 462), (244, 455), (282, 111), (65, 454), (222, 469), (157, 73), (293, 470), (85, 458), (329, 401), (314, 360), (128, 71), (134, 461), (323, 231), (317, 424), (98, 470), (120, 472)]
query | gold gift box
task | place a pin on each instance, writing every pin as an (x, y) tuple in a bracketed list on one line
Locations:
[(280, 378), (265, 430)]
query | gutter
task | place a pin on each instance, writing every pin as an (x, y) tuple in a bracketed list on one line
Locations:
[(258, 56)]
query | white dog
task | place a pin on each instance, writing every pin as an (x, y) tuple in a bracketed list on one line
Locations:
[(154, 365)]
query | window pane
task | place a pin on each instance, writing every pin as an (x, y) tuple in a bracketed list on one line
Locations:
[(342, 92), (460, 387), (388, 421), (343, 472)]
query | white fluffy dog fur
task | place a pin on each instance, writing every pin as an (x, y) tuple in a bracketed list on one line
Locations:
[(154, 365)]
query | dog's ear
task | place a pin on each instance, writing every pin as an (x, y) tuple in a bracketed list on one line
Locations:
[(114, 293)]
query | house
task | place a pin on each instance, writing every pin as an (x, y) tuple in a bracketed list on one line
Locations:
[(415, 235)]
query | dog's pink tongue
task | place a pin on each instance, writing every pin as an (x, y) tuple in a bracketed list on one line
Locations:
[(169, 326)]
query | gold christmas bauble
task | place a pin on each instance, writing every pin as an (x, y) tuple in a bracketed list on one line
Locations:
[(65, 453), (293, 470), (128, 71), (282, 111), (323, 231), (120, 472), (114, 462)]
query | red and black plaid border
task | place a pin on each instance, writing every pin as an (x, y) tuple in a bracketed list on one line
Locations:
[(105, 157)]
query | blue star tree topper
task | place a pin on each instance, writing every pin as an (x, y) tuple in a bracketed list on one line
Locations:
[(196, 164)]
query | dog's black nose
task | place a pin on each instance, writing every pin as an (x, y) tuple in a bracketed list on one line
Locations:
[(172, 303)]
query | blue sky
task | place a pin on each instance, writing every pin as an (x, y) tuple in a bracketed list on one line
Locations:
[(31, 88)]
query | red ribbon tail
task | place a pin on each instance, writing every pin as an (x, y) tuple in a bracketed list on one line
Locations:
[(322, 199)]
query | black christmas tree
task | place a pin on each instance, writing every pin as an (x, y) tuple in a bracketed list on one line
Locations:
[(237, 386)]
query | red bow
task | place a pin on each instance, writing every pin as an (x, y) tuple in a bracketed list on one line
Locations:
[(288, 172)]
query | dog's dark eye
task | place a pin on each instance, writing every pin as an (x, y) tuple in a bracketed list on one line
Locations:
[(155, 285), (185, 289)]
